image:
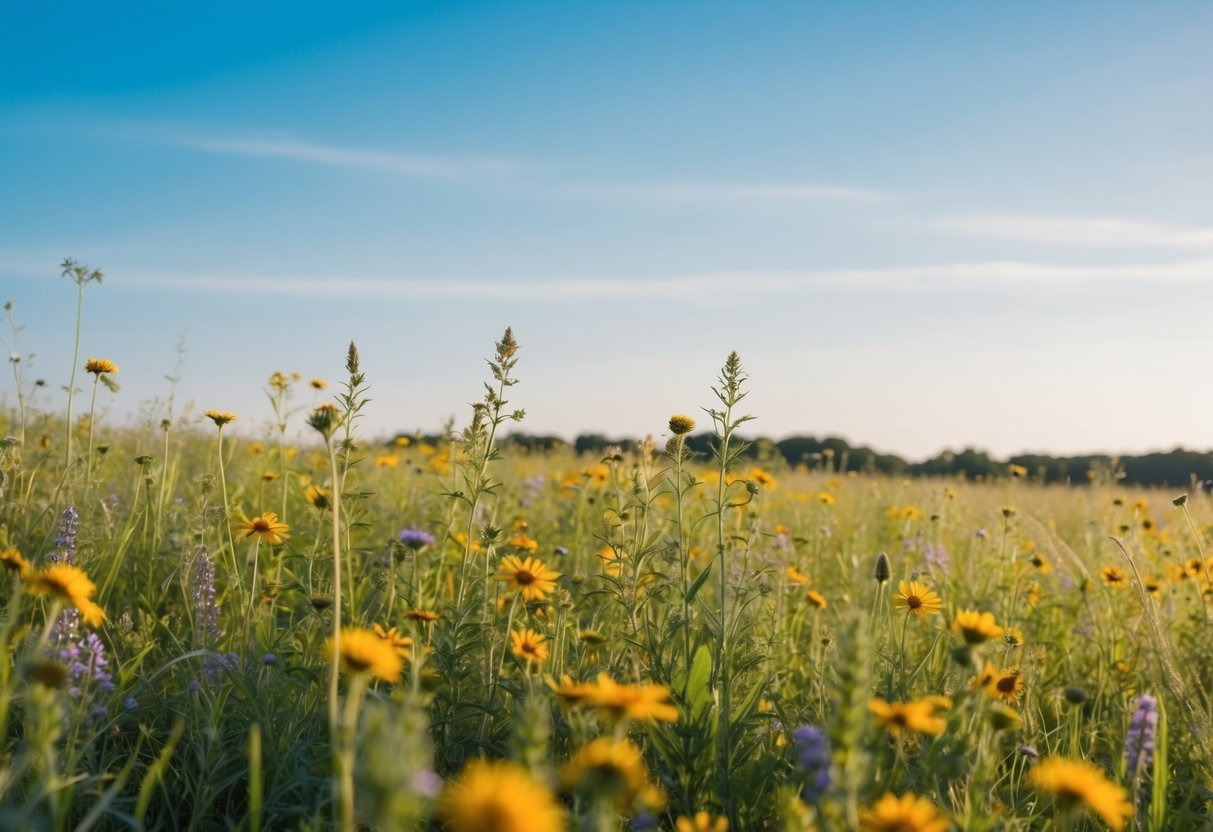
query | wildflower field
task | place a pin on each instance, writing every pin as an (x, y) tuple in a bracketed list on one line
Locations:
[(210, 630)]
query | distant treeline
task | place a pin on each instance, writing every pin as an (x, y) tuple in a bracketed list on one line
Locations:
[(1176, 469)]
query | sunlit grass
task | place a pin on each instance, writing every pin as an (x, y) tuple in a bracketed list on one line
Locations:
[(342, 631)]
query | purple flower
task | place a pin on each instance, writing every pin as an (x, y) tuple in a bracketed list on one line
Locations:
[(65, 541), (1139, 742), (813, 761), (415, 538), (206, 608), (1029, 751), (937, 558), (427, 783)]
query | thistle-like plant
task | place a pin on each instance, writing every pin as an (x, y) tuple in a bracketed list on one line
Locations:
[(81, 275)]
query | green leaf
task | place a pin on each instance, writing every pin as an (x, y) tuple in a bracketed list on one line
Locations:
[(698, 583)]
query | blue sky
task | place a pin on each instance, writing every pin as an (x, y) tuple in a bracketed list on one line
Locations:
[(921, 225)]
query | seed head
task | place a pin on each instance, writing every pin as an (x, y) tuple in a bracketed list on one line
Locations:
[(882, 572), (681, 423)]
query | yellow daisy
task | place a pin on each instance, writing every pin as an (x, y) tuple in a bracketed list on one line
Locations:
[(97, 366), (15, 561), (318, 497), (529, 645), (643, 702), (914, 717), (976, 627), (364, 651), (907, 813), (916, 598), (498, 796), (1075, 783), (702, 822), (400, 643), (265, 528), (530, 577), (607, 767), (70, 585), (220, 417)]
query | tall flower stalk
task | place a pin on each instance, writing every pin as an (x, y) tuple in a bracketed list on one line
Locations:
[(82, 275), (220, 419), (480, 444), (729, 394), (676, 449)]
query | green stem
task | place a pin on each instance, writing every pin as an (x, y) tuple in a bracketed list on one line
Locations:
[(71, 384)]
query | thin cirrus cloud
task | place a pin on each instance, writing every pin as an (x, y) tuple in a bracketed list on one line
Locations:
[(1091, 231), (706, 289), (409, 164), (487, 168)]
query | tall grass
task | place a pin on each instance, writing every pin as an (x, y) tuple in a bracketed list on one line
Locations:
[(716, 622)]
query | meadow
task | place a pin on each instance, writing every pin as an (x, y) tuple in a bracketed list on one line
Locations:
[(212, 630)]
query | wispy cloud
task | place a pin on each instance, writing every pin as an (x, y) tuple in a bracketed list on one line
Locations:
[(1092, 231), (525, 177), (719, 192), (410, 164), (707, 288)]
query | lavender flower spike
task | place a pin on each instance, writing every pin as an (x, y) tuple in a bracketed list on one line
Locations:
[(1139, 742), (416, 538), (813, 761)]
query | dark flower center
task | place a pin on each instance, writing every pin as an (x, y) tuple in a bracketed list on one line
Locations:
[(524, 577)]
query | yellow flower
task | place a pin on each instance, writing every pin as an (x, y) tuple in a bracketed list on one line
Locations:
[(530, 577), (424, 616), (763, 478), (1002, 683), (976, 627), (907, 813), (1153, 586), (318, 384), (14, 560), (364, 651), (612, 561), (571, 693), (1012, 637), (702, 822), (498, 796), (220, 417), (529, 645), (387, 460), (1018, 471), (826, 498), (916, 598), (1074, 783), (916, 717), (815, 599), (796, 576), (70, 585), (1113, 576), (607, 767), (522, 541), (97, 366), (598, 475), (643, 703), (265, 528), (318, 497), (403, 645)]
